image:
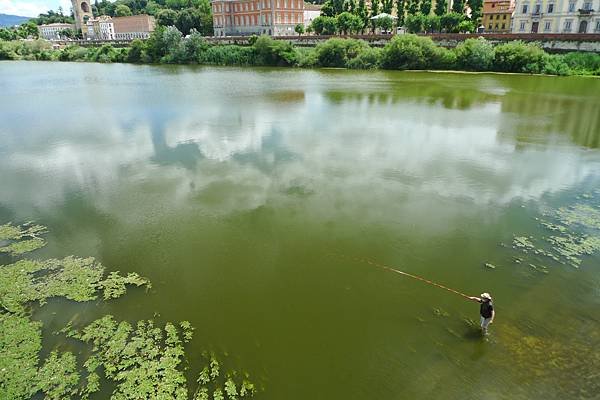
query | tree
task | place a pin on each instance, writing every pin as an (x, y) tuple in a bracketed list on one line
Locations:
[(362, 13), (299, 29), (323, 25), (476, 9), (28, 30), (475, 55), (385, 23), (415, 23), (425, 7), (374, 12), (433, 23), (458, 6), (413, 7), (450, 22), (401, 9), (166, 17), (188, 19), (67, 33), (387, 6), (466, 26), (122, 11), (344, 22), (441, 7), (327, 9)]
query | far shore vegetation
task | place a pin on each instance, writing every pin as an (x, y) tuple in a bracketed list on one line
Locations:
[(167, 45)]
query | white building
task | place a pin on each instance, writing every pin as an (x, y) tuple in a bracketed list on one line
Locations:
[(311, 11), (101, 28), (557, 16), (53, 31)]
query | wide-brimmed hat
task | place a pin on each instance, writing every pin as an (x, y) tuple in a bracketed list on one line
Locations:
[(485, 296)]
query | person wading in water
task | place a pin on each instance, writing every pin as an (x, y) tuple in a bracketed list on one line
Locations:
[(486, 310)]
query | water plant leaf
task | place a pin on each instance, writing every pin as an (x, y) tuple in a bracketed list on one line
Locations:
[(20, 343), (231, 389), (59, 377), (115, 285), (20, 239)]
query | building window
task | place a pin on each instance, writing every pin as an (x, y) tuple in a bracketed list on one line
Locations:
[(522, 26), (490, 27), (524, 10), (587, 6), (537, 8), (568, 25), (550, 8), (503, 26), (504, 17), (571, 7), (498, 16), (547, 26), (598, 25)]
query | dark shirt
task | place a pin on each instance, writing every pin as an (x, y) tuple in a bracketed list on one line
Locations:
[(486, 309)]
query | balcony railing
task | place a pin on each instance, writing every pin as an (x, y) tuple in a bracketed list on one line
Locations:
[(584, 11)]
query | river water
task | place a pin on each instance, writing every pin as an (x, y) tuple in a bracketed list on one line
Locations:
[(247, 197)]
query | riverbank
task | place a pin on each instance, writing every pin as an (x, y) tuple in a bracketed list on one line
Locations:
[(406, 52)]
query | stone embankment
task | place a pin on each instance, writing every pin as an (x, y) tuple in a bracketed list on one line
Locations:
[(552, 42)]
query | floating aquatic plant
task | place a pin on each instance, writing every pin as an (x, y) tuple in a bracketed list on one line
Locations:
[(143, 362), (20, 239)]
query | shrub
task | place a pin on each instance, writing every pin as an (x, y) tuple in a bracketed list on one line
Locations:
[(583, 63), (450, 22), (136, 51), (474, 55), (7, 51), (369, 58), (306, 57), (228, 55), (337, 52), (519, 57), (73, 53), (415, 23), (555, 65), (413, 52), (274, 52)]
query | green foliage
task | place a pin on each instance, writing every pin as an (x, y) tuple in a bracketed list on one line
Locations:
[(425, 7), (385, 23), (324, 25), (122, 11), (299, 29), (476, 9), (433, 23), (143, 362), (368, 58), (115, 285), (466, 26), (450, 22), (475, 55), (415, 23), (59, 377), (413, 52), (440, 7), (274, 52), (21, 239), (166, 17), (228, 55), (349, 23), (338, 52), (583, 63), (20, 343), (136, 51), (52, 17), (519, 57), (458, 6)]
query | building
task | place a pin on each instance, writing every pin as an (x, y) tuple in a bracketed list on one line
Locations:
[(257, 17), (133, 27), (82, 13), (53, 31), (101, 28), (557, 16), (311, 11), (497, 15)]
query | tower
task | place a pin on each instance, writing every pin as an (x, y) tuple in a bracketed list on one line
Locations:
[(82, 12)]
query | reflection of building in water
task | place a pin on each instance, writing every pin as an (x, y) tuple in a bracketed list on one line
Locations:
[(256, 17)]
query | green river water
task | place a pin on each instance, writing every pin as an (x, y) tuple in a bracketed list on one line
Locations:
[(246, 195)]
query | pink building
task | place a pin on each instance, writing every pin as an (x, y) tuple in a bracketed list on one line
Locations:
[(257, 17)]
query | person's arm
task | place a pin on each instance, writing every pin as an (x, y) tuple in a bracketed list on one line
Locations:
[(477, 299), (493, 316)]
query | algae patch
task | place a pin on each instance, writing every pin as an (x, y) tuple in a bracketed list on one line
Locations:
[(21, 239)]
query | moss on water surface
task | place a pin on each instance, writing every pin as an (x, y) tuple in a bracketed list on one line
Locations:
[(142, 361)]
